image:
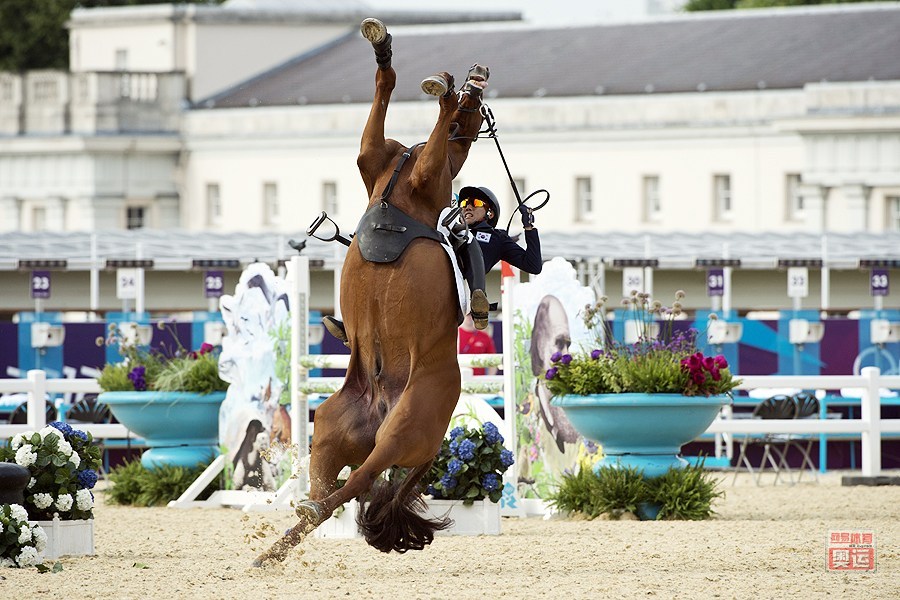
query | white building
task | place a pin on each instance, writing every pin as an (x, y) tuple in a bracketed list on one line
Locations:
[(764, 122)]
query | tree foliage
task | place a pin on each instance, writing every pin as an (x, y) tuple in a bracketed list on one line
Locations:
[(698, 5), (33, 33)]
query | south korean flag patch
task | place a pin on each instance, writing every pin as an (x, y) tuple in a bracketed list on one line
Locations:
[(483, 236)]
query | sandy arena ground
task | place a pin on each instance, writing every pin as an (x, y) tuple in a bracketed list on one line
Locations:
[(766, 542)]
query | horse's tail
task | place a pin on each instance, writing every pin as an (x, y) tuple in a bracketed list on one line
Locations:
[(393, 519)]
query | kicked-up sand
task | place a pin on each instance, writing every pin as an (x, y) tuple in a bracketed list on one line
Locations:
[(765, 542)]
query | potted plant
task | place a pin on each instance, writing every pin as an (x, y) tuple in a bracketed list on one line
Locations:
[(169, 396), (465, 482), (641, 401), (63, 464)]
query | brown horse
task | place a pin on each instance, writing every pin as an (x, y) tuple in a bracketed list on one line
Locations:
[(403, 379)]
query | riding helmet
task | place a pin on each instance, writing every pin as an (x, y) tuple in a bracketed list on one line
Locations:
[(483, 193)]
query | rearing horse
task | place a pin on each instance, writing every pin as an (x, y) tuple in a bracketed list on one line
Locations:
[(403, 379)]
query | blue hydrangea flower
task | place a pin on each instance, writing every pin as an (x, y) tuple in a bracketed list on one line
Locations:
[(466, 450), (506, 458), (456, 432), (87, 478), (79, 434), (454, 466), (490, 482), (430, 491), (492, 434), (448, 482), (63, 428), (454, 448)]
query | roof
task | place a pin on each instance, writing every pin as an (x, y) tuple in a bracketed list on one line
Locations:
[(174, 250), (717, 51)]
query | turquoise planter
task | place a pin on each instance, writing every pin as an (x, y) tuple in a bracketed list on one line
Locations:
[(645, 431), (181, 428)]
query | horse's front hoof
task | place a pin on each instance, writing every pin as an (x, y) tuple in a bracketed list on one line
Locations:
[(436, 85), (373, 30)]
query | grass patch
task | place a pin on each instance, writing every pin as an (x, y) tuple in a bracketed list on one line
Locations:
[(135, 485)]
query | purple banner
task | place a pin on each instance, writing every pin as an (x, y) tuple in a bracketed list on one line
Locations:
[(879, 284), (213, 283), (715, 282), (40, 285)]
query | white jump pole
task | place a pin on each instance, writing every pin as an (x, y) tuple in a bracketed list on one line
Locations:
[(299, 375), (508, 280)]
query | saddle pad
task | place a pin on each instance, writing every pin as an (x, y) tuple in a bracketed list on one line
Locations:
[(462, 289)]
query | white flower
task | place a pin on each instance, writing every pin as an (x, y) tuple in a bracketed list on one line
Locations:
[(42, 500), (64, 502), (17, 441), (18, 513), (83, 500), (25, 456), (65, 447), (1, 526), (75, 459), (7, 562), (25, 535), (40, 538), (31, 483), (28, 556), (49, 431)]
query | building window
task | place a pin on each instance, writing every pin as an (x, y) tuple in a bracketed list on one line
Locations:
[(270, 203), (45, 91), (6, 90), (134, 217), (652, 206), (329, 197), (722, 197), (792, 197), (584, 201), (213, 204), (892, 204)]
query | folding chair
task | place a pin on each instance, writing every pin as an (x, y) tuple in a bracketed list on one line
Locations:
[(807, 408), (19, 415), (774, 444), (89, 410)]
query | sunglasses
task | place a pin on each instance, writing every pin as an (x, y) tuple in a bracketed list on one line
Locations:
[(476, 203)]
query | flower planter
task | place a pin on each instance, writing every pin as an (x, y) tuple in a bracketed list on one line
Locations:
[(481, 518), (68, 538), (645, 431), (181, 428)]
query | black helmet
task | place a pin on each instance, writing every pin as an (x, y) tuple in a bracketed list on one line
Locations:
[(482, 193)]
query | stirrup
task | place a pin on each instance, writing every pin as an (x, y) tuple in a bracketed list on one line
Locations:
[(480, 308), (373, 30), (336, 328), (436, 85)]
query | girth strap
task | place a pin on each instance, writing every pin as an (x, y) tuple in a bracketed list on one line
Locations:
[(390, 186)]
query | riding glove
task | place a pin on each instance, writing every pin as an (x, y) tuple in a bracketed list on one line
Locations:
[(527, 216)]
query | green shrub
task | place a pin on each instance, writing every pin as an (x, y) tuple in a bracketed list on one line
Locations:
[(135, 485), (682, 494), (685, 494)]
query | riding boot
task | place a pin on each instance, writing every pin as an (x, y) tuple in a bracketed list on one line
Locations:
[(376, 32), (336, 328), (473, 271)]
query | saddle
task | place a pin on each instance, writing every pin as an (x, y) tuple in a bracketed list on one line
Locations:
[(385, 231)]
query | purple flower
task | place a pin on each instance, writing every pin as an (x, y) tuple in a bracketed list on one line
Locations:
[(137, 378), (555, 356), (490, 482), (566, 359), (551, 373), (492, 434), (595, 354), (721, 362)]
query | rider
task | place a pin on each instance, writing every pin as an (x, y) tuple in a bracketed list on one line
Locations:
[(481, 212)]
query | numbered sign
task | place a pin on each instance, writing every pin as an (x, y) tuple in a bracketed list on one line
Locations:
[(126, 284), (213, 284), (632, 279), (715, 282), (798, 282), (40, 285), (879, 285)]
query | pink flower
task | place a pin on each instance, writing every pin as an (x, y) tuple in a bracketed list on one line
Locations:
[(721, 362)]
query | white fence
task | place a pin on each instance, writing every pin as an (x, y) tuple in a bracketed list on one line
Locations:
[(870, 426)]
